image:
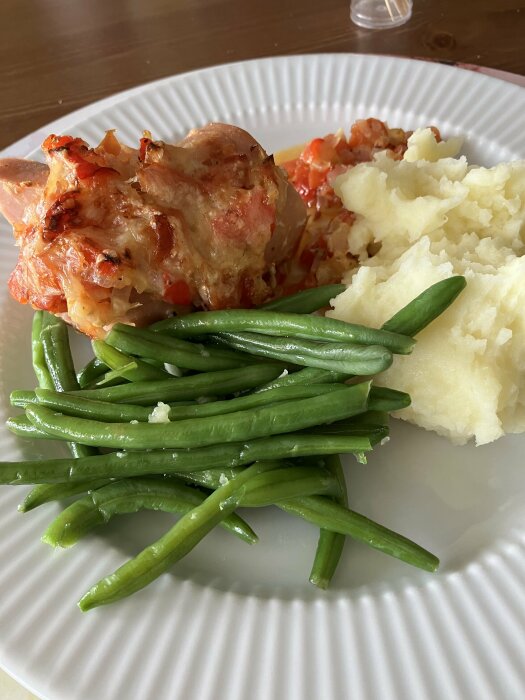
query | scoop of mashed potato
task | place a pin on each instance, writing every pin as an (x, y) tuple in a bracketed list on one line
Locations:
[(435, 216)]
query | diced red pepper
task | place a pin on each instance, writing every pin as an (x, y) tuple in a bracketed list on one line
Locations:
[(53, 142), (76, 152), (178, 293)]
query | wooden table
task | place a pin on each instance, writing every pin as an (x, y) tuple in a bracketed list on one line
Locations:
[(58, 55)]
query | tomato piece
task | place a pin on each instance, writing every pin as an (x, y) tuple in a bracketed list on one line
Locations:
[(178, 293), (54, 142), (76, 150), (313, 151)]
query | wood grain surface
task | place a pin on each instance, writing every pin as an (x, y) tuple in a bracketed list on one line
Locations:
[(58, 55)]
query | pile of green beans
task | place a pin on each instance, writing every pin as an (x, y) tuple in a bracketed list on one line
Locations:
[(200, 415)]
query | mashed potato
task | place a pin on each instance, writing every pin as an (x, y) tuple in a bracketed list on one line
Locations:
[(435, 216)]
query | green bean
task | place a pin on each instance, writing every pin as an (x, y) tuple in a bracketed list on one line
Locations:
[(39, 361), (210, 444), (370, 424), (110, 377), (290, 480), (381, 398), (409, 321), (308, 375), (20, 397), (307, 301), (117, 360), (426, 307), (186, 355), (213, 478), (171, 547), (80, 450), (162, 365), (330, 544), (183, 388), (325, 513), (274, 323), (422, 310), (293, 482), (287, 482), (115, 377), (44, 493), (74, 405), (21, 426), (55, 342), (199, 432), (215, 408), (340, 357), (91, 372), (209, 478), (130, 496), (124, 464)]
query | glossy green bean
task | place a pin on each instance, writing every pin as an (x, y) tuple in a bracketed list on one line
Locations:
[(55, 342), (381, 398), (171, 547), (370, 424), (199, 432), (323, 512), (339, 357), (77, 405), (183, 388), (329, 515), (409, 321), (195, 356), (307, 301), (40, 367), (285, 483), (115, 377), (74, 405), (118, 360), (21, 397), (78, 449), (275, 323), (209, 478), (308, 375), (45, 493), (422, 310), (91, 372), (21, 426), (293, 479), (131, 496), (242, 403), (116, 465), (330, 544)]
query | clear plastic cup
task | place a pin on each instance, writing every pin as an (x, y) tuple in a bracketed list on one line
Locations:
[(380, 14)]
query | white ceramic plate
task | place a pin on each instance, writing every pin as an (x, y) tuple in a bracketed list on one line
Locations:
[(236, 623)]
